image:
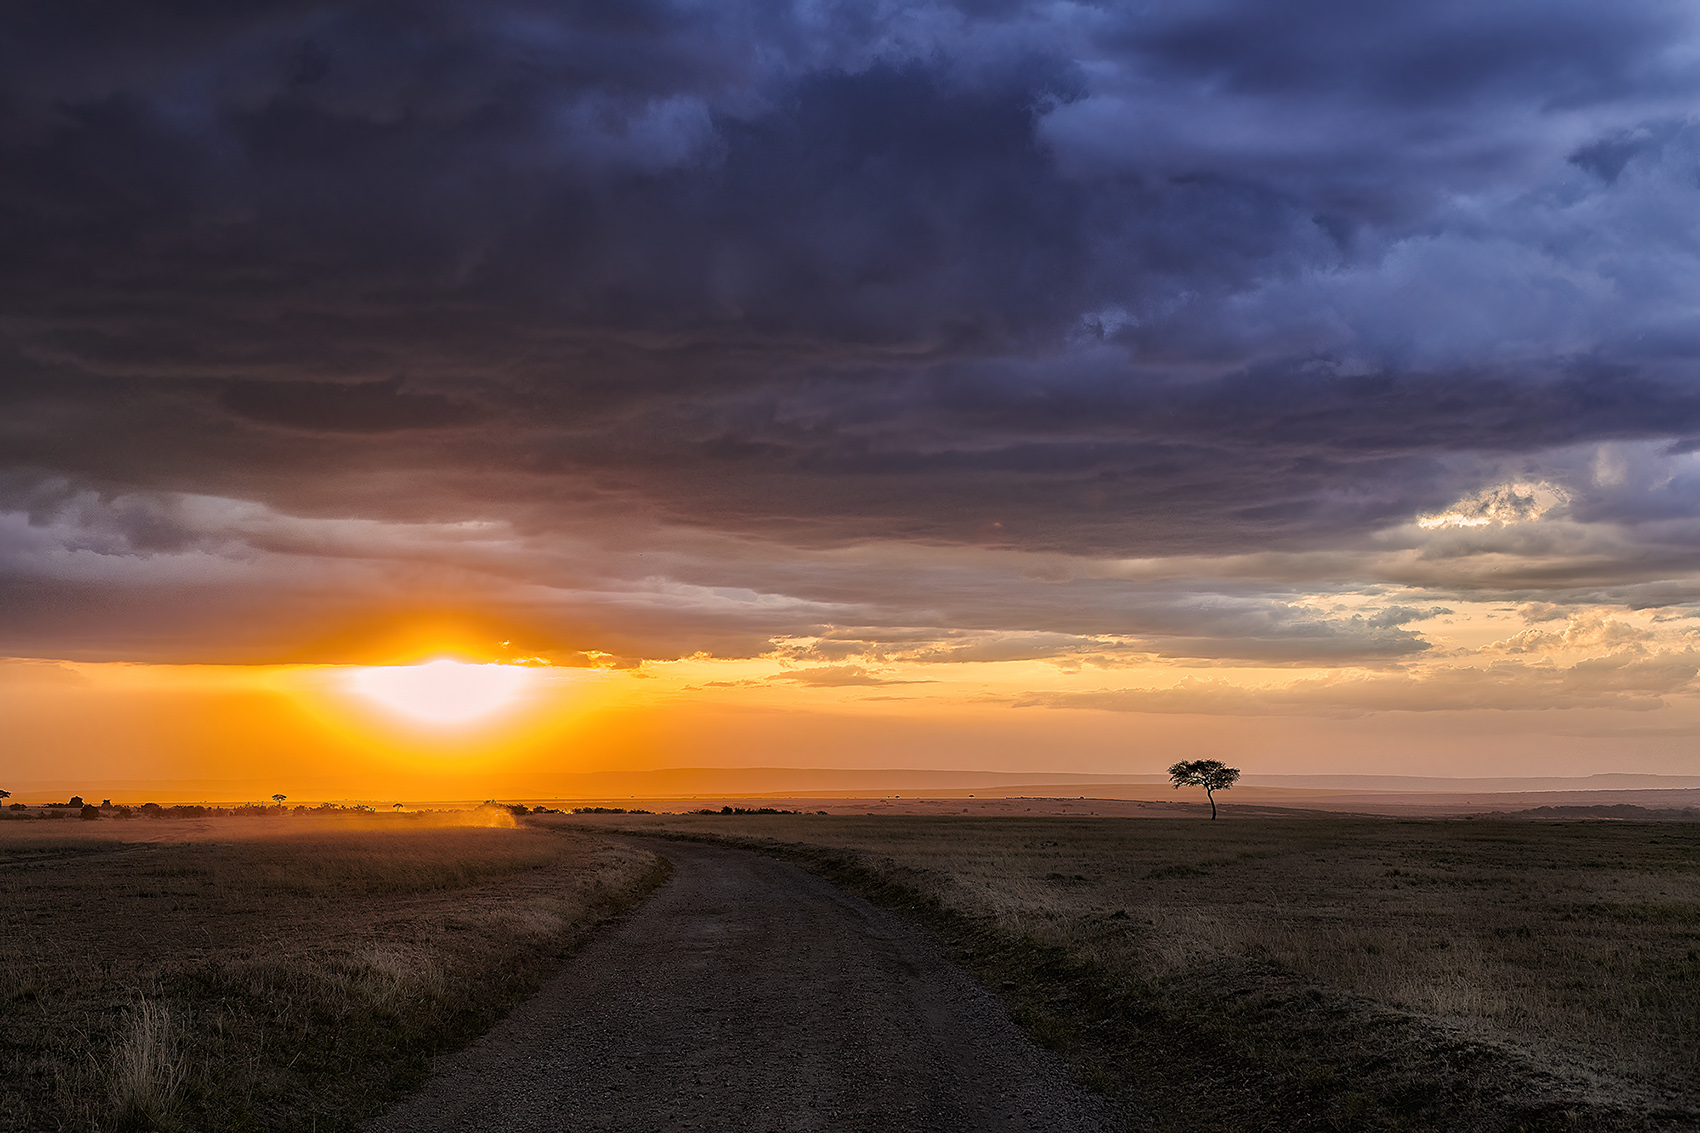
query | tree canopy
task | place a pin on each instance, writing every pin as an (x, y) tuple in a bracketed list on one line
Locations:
[(1211, 774)]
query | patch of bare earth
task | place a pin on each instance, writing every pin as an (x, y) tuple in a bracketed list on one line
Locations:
[(272, 974), (1323, 973)]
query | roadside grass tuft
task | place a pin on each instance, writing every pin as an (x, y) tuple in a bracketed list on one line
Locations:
[(147, 1067)]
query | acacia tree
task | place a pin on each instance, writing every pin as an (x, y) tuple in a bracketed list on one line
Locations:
[(1211, 774)]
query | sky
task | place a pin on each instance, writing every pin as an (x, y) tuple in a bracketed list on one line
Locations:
[(992, 384)]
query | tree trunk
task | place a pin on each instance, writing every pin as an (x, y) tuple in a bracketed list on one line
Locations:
[(1211, 795)]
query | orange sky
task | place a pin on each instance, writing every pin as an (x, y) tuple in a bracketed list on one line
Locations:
[(1418, 666), (307, 732), (1038, 387)]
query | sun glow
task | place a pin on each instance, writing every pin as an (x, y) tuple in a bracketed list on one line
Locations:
[(443, 691)]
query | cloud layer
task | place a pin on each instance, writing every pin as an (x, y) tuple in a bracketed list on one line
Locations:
[(854, 335)]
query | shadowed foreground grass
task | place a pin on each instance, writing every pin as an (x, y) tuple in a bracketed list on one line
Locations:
[(272, 975), (1312, 973)]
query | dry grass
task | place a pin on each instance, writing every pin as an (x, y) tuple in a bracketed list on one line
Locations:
[(146, 1066), (271, 974), (1565, 955)]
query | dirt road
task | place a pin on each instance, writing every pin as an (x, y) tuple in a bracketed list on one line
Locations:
[(748, 996)]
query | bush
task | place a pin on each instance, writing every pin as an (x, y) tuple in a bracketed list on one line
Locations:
[(90, 813)]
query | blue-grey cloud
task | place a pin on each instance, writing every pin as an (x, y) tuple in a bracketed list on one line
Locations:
[(1202, 278)]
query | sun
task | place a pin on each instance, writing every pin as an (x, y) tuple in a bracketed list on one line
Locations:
[(443, 691)]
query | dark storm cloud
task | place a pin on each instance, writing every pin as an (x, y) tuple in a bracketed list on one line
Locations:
[(356, 407), (1197, 278)]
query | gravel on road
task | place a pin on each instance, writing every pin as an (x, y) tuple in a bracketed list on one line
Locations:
[(748, 995)]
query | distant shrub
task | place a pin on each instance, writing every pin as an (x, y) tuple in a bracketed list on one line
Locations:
[(335, 808), (603, 810), (90, 813)]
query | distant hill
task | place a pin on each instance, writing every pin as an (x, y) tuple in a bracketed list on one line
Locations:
[(1621, 811)]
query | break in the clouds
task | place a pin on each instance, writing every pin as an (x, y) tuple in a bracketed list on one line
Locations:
[(856, 334)]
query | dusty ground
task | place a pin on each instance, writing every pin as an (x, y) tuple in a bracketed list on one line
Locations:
[(750, 996)]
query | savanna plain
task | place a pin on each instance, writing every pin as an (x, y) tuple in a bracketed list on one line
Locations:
[(1315, 972), (290, 973), (1257, 972)]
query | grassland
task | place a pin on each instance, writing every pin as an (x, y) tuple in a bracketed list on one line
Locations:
[(1326, 973), (275, 974)]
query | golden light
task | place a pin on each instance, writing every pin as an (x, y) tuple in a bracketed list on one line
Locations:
[(443, 691)]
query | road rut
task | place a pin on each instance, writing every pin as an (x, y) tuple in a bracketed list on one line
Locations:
[(748, 995)]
